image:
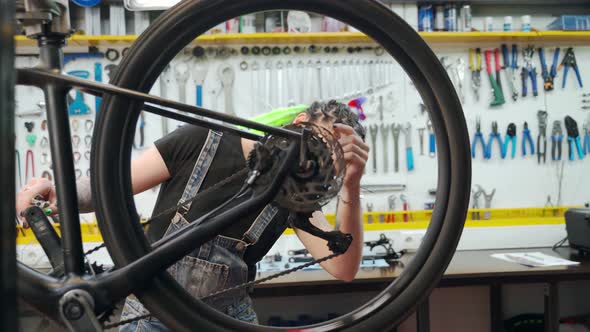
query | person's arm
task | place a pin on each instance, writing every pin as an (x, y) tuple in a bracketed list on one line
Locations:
[(345, 266), (147, 171)]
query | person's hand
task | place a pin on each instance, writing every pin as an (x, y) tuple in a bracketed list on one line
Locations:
[(36, 187), (356, 153)]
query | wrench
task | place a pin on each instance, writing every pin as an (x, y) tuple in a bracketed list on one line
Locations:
[(380, 108), (182, 74), (318, 67), (431, 140), (199, 74), (395, 131), (409, 152), (164, 83), (227, 76), (369, 209), (384, 136), (373, 131), (290, 81), (421, 137), (279, 101)]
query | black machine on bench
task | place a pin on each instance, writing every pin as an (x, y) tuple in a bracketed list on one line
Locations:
[(577, 225)]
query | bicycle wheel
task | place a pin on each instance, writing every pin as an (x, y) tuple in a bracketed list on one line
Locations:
[(176, 28)]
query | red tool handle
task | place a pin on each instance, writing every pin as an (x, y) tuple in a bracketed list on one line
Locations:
[(405, 207), (488, 56), (497, 57)]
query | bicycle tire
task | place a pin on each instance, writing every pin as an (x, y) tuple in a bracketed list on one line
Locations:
[(177, 27)]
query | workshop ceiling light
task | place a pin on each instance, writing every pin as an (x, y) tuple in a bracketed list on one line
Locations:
[(139, 5)]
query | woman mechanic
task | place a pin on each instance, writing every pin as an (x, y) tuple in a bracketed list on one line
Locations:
[(190, 160)]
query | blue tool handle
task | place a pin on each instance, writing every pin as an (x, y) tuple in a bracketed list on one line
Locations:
[(513, 148), (524, 87), (79, 73), (542, 57), (577, 71), (554, 65), (570, 142), (73, 56), (514, 55), (410, 159), (199, 95), (505, 146), (565, 70), (98, 78), (432, 144), (506, 55), (533, 76), (579, 148)]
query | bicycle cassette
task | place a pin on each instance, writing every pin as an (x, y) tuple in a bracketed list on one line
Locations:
[(315, 180)]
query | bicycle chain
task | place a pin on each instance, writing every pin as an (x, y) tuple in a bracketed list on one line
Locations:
[(209, 190)]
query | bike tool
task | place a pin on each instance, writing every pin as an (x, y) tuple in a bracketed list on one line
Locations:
[(369, 213), (98, 78), (181, 72), (373, 129), (391, 203), (199, 74), (384, 136), (497, 95), (494, 135), (526, 138), (586, 130), (569, 60), (547, 84), (510, 69), (475, 67), (488, 201), (78, 105), (475, 215), (510, 138), (164, 84), (409, 154), (573, 137), (478, 137), (528, 70), (431, 140), (556, 140), (227, 77), (542, 137), (395, 131), (421, 138), (498, 68)]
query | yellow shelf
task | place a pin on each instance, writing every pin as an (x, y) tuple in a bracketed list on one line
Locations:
[(417, 219), (333, 38)]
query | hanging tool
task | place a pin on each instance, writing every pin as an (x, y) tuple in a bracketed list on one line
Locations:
[(553, 72), (391, 202), (227, 76), (29, 163), (141, 131), (510, 69), (569, 60), (573, 137), (510, 138), (98, 78), (78, 105), (199, 75), (478, 137), (475, 215), (556, 140), (475, 67), (528, 69), (547, 81), (498, 68), (384, 135), (488, 201), (494, 135), (164, 84), (181, 71), (373, 132), (395, 131), (405, 206), (431, 140), (409, 153), (497, 95), (460, 74), (586, 130), (369, 215), (542, 137), (421, 137), (527, 138)]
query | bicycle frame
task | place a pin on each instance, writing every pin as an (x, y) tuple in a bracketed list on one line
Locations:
[(45, 292)]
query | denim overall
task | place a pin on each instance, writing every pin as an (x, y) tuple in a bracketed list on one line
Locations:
[(215, 265)]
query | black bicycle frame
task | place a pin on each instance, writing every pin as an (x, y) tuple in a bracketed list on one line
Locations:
[(110, 287)]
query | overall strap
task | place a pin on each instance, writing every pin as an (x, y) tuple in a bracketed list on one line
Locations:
[(260, 223)]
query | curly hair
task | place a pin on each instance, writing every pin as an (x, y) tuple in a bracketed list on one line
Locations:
[(340, 112)]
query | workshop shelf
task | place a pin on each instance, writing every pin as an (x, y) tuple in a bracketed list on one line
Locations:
[(333, 38)]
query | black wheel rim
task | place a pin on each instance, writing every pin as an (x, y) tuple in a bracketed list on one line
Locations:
[(178, 27)]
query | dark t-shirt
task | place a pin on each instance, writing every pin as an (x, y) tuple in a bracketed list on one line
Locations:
[(180, 151)]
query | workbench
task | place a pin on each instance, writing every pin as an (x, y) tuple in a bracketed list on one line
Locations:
[(467, 268)]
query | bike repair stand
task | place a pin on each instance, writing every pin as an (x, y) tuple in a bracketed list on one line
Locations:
[(48, 22)]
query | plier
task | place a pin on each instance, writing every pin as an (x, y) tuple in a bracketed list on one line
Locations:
[(510, 138), (573, 137), (511, 69), (542, 137), (526, 138), (556, 139), (569, 60), (496, 135), (528, 70), (478, 137)]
